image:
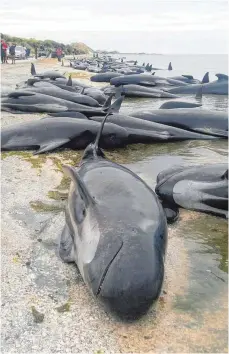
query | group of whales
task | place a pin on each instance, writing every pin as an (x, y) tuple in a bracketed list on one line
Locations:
[(116, 225), (76, 110), (112, 65)]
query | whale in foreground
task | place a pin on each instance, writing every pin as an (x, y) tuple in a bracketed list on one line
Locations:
[(200, 188), (116, 233)]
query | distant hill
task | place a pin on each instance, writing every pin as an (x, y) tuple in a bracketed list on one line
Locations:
[(81, 48), (106, 52)]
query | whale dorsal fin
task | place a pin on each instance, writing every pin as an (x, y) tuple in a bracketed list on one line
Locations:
[(222, 77), (205, 79), (33, 70), (225, 175), (69, 82)]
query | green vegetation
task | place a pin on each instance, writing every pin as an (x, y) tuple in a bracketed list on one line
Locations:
[(45, 207), (38, 316), (64, 308), (48, 45)]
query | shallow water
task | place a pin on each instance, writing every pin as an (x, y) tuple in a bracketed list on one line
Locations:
[(196, 65), (205, 237)]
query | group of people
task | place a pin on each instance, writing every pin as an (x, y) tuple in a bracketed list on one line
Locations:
[(5, 54)]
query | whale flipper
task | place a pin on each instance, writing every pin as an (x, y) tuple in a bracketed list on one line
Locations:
[(80, 187), (18, 93), (171, 212), (66, 247), (51, 146), (212, 131)]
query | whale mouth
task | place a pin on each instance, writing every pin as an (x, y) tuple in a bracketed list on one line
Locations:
[(106, 270)]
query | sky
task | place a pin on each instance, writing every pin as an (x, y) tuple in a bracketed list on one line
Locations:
[(151, 26)]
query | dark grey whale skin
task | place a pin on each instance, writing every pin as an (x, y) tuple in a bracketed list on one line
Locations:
[(104, 77), (197, 120), (65, 95), (217, 87), (26, 101), (139, 91), (200, 188), (116, 233), (49, 134), (179, 104), (143, 131)]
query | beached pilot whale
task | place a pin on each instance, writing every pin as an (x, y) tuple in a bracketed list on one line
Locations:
[(217, 87), (47, 74), (29, 101), (49, 134), (184, 104), (138, 91), (195, 119), (200, 188), (116, 233)]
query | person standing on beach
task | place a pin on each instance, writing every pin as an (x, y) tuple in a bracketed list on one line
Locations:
[(12, 52), (59, 53), (4, 47), (27, 52)]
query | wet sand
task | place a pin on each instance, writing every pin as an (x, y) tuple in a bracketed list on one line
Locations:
[(69, 319)]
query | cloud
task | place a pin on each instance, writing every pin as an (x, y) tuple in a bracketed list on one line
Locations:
[(68, 21)]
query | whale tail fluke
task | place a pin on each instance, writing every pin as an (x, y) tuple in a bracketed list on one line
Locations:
[(93, 150)]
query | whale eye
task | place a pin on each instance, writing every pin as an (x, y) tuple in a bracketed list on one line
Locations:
[(79, 209)]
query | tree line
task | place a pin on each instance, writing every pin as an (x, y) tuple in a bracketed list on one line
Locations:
[(47, 45)]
